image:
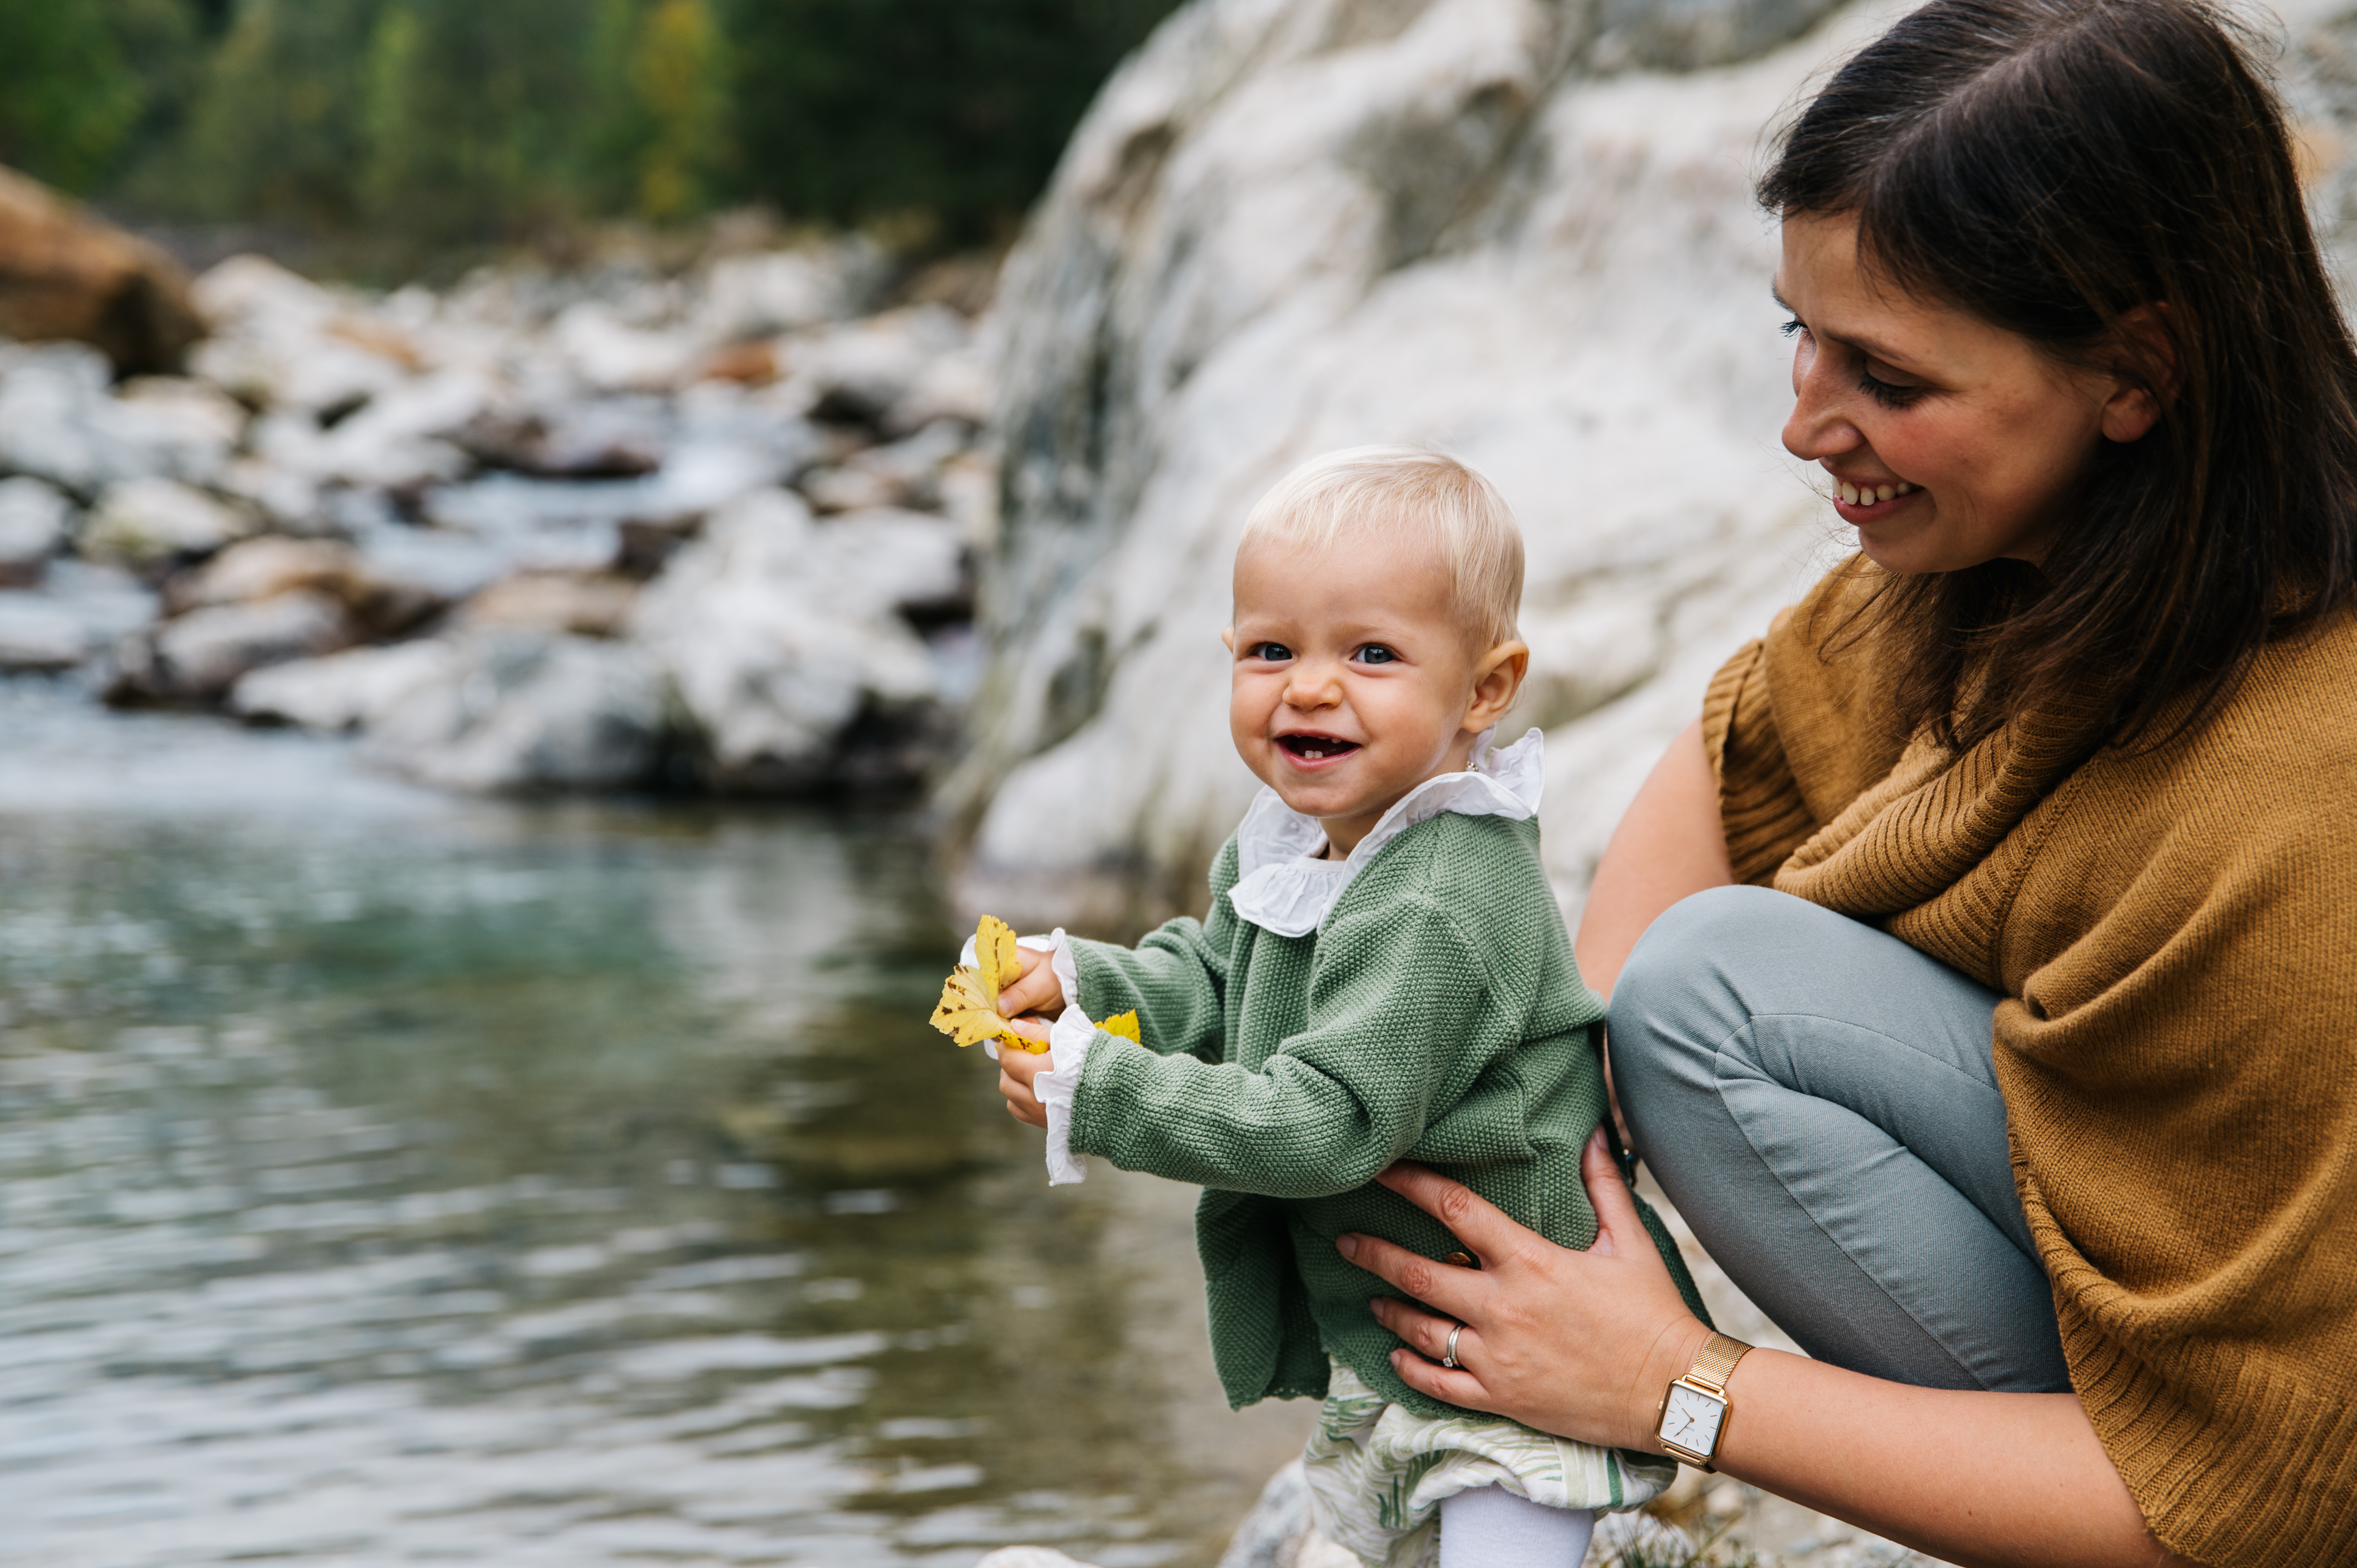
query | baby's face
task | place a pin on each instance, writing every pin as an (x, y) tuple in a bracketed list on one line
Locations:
[(1352, 678)]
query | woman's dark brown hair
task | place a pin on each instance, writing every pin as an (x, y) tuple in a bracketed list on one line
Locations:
[(2051, 167)]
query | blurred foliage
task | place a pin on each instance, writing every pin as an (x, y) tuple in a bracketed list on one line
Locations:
[(469, 120)]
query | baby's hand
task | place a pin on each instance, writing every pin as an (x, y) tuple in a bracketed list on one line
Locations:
[(1018, 1069), (1036, 991)]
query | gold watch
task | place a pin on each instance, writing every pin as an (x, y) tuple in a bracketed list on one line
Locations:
[(1694, 1409)]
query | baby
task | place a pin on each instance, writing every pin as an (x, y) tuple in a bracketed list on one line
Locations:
[(1384, 975)]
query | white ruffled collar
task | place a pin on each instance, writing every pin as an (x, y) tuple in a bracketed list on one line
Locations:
[(1284, 888)]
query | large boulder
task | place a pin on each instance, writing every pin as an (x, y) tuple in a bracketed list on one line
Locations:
[(1288, 227), (66, 274)]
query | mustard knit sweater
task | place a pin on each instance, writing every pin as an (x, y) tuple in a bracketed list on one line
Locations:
[(2174, 935)]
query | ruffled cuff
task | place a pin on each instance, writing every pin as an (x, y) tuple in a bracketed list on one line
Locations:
[(1069, 1040)]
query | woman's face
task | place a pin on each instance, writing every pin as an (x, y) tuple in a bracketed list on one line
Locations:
[(1950, 442)]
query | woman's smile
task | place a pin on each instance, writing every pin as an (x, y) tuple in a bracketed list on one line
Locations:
[(1857, 502)]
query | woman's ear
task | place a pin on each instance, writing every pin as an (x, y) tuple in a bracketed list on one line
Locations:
[(2147, 382), (1497, 680)]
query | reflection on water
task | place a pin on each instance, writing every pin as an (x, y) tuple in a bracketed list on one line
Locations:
[(482, 1185)]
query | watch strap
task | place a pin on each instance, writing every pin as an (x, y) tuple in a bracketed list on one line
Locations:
[(1714, 1362)]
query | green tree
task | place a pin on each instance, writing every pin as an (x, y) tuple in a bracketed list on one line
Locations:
[(468, 121), (679, 69), (849, 109), (69, 98)]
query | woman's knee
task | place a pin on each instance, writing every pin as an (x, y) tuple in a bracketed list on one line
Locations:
[(1680, 996)]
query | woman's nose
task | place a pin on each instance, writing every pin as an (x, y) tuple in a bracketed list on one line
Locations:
[(1819, 425)]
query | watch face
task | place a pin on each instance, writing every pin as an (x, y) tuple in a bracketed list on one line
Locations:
[(1691, 1419)]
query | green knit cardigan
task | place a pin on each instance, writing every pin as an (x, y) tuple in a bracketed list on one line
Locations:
[(1437, 1015)]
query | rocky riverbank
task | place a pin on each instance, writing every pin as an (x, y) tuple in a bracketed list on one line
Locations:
[(613, 529)]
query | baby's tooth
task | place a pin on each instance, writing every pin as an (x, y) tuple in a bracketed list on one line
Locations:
[(1883, 492)]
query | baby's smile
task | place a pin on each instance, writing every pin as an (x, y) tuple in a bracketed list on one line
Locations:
[(1313, 750)]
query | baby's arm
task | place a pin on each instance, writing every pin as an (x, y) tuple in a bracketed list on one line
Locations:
[(1174, 982), (1341, 1101)]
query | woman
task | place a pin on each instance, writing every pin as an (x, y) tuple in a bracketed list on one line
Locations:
[(1996, 1003)]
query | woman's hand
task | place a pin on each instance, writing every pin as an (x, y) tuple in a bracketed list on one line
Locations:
[(1583, 1344), (1579, 1344)]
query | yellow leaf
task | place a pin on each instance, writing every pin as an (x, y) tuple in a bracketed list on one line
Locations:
[(993, 949), (963, 1014), (1123, 1024), (968, 1012)]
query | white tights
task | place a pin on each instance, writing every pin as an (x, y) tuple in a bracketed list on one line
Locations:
[(1490, 1526)]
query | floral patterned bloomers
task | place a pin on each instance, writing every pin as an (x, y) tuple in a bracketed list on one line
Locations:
[(1377, 1472)]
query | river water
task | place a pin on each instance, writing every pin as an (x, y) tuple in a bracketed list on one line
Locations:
[(391, 1179)]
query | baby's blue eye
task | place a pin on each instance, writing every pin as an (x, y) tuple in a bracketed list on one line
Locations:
[(1274, 652), (1376, 653)]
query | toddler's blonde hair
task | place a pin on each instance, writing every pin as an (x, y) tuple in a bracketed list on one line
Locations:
[(1397, 490)]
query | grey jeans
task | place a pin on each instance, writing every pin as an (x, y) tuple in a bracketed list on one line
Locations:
[(1817, 1099)]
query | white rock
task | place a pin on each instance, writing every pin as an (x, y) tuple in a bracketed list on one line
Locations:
[(608, 437), (58, 423), (957, 385), (379, 603), (198, 656), (342, 691), (289, 500), (885, 560), (969, 490), (144, 523), (36, 632), (865, 367), (903, 473), (778, 291), (1289, 227), (35, 519), (191, 428), (449, 566), (778, 630), (520, 712), (610, 355), (1278, 1526), (279, 339), (399, 440), (574, 524)]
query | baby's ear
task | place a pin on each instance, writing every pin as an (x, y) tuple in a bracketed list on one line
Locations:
[(1498, 679), (1228, 638)]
